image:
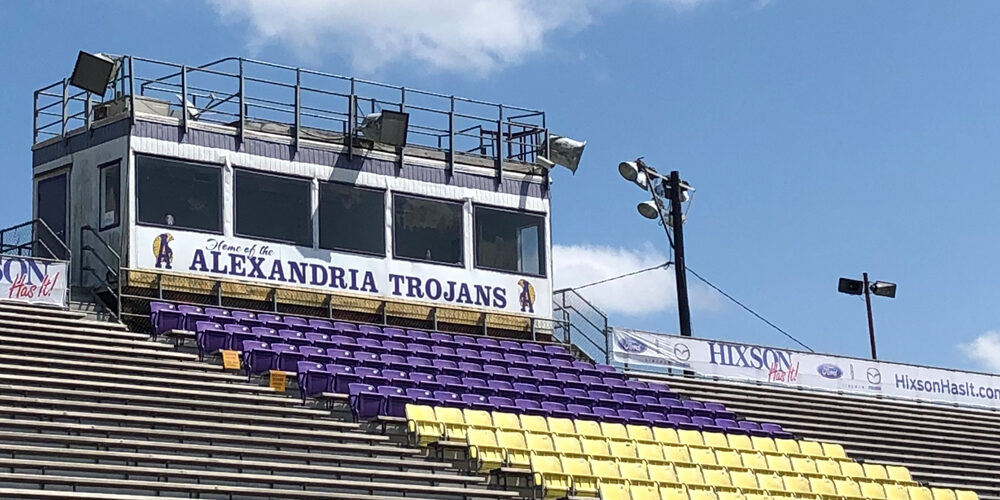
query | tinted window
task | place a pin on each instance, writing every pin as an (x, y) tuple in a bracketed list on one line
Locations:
[(510, 241), (110, 194), (177, 193), (273, 207), (427, 230), (351, 218)]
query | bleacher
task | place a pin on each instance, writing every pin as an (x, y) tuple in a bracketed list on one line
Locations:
[(944, 446), (537, 422)]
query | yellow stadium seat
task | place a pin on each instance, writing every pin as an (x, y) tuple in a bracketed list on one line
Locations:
[(701, 493), (540, 443), (770, 481), (896, 492), (875, 471), (797, 484), (834, 450), (803, 465), (550, 476), (728, 458), (633, 470), (614, 430), (787, 446), (568, 445), (673, 492), (871, 489), (676, 453), (478, 418), (943, 494), (754, 460), (715, 476), (613, 490), (453, 422), (827, 467), (516, 445), (640, 432), (822, 485), (690, 437), (652, 452), (898, 473), (920, 493), (506, 421), (847, 487), (595, 446), (423, 425), (559, 425), (762, 443), (702, 455), (778, 462), (851, 468), (589, 428), (811, 448), (625, 449), (604, 467), (743, 479), (689, 474), (643, 491), (485, 449), (715, 439), (584, 483), (534, 423), (666, 435), (739, 442), (966, 495), (661, 473)]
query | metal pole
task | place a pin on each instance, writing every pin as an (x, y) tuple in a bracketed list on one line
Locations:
[(871, 322), (680, 271)]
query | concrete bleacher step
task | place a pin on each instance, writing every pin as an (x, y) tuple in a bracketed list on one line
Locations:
[(41, 311), (20, 318), (92, 336), (36, 494), (187, 365), (33, 370), (20, 338), (147, 371)]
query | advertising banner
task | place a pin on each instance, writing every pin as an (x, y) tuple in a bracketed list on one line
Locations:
[(33, 281), (215, 256), (774, 365)]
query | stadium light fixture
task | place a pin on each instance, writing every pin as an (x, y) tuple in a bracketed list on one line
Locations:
[(93, 72), (386, 127), (562, 151), (863, 287), (648, 209)]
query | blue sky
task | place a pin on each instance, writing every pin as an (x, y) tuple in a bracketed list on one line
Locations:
[(824, 138)]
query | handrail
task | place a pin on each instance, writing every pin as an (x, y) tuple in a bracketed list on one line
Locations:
[(38, 238), (114, 271)]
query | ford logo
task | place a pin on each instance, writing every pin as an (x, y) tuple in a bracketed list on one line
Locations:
[(631, 345), (828, 370)]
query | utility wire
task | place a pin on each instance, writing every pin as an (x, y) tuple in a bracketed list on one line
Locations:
[(665, 265), (751, 311)]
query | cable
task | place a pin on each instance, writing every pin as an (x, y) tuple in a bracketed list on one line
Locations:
[(751, 311), (665, 265)]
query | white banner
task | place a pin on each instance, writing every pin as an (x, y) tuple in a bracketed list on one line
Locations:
[(716, 358), (216, 256), (33, 281)]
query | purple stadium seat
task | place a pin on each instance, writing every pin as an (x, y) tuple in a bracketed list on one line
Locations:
[(216, 312), (477, 386), (398, 378), (534, 349), (641, 388), (470, 355), (258, 357), (730, 426), (579, 396), (513, 347), (617, 385), (365, 401), (581, 411), (476, 370), (288, 357), (627, 401), (444, 352), (518, 360), (477, 402), (313, 379), (556, 409), (368, 329), (393, 332), (343, 376), (210, 337), (444, 340), (421, 364), (706, 424), (498, 372), (650, 403), (494, 358), (371, 345), (682, 422), (394, 404), (420, 349), (558, 352), (425, 381), (530, 407), (537, 360), (370, 376), (674, 404), (602, 398), (343, 357), (488, 342), (554, 393), (658, 419), (608, 415), (370, 359), (165, 317), (448, 398), (776, 431), (345, 326), (192, 315), (592, 381), (546, 376), (465, 340), (503, 388), (234, 328), (523, 374), (320, 325), (294, 337), (269, 318), (568, 380), (503, 403), (393, 346), (417, 334), (634, 417), (295, 322), (450, 383), (720, 410), (421, 396), (324, 341), (528, 391), (565, 366), (448, 367)]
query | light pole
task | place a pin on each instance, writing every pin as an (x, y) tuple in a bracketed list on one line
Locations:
[(855, 287), (664, 189)]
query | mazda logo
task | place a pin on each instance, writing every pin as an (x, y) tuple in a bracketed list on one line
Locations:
[(682, 352), (874, 376)]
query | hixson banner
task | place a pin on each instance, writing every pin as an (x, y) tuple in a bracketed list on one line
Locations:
[(774, 365), (215, 256), (34, 281)]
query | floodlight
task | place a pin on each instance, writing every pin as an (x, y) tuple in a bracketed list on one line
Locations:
[(648, 209), (851, 287), (629, 170), (562, 151), (386, 127), (93, 72), (884, 289)]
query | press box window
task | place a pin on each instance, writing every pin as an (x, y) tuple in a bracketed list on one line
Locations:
[(351, 218), (273, 207), (510, 241), (110, 194), (180, 194), (427, 230)]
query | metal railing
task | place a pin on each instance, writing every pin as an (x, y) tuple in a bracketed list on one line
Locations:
[(100, 261), (581, 323), (237, 91), (33, 239)]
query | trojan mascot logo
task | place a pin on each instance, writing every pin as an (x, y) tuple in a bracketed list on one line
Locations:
[(161, 249), (527, 296)]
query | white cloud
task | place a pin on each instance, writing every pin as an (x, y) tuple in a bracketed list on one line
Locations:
[(643, 294), (985, 350), (451, 35)]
